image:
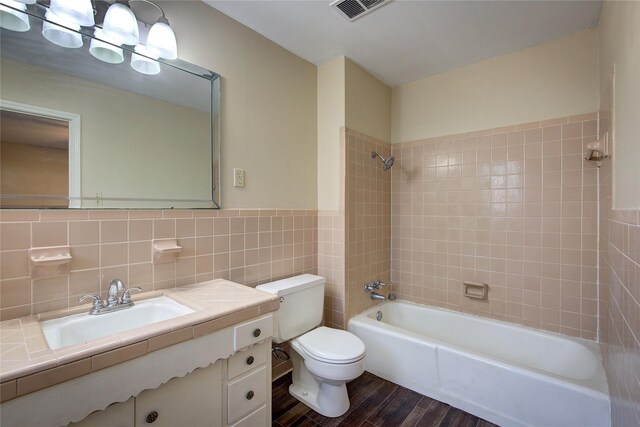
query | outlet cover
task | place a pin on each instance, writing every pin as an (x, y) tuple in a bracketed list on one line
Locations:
[(238, 177)]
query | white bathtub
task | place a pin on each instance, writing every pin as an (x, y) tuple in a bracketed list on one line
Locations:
[(506, 374)]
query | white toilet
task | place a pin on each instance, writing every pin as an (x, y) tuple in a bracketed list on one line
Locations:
[(324, 359)]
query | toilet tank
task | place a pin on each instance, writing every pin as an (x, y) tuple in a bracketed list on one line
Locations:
[(301, 304)]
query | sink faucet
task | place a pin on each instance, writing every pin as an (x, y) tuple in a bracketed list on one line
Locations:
[(118, 298), (115, 288)]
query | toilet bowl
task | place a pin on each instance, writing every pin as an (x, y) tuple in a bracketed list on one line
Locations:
[(324, 359)]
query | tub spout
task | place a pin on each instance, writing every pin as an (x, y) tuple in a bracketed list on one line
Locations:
[(376, 296)]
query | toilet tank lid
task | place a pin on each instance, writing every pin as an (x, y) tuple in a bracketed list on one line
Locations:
[(292, 284)]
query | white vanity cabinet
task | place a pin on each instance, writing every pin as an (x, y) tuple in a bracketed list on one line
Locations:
[(235, 391), (116, 415), (193, 400)]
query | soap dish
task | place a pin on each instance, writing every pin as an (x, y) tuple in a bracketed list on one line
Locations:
[(165, 250), (50, 261)]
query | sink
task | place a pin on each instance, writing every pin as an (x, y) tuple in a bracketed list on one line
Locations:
[(80, 328)]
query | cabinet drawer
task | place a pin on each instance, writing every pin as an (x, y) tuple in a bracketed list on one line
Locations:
[(246, 394), (245, 360), (253, 331), (258, 418)]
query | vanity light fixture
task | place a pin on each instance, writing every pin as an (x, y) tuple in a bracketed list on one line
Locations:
[(61, 34), (103, 50), (12, 19), (80, 12), (120, 24)]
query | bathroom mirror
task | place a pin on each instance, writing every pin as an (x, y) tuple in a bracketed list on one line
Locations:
[(133, 140)]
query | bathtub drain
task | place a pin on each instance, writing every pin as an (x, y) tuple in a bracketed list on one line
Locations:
[(379, 315)]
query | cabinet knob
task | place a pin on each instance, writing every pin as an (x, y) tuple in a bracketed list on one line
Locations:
[(250, 395), (250, 360), (151, 417), (257, 332)]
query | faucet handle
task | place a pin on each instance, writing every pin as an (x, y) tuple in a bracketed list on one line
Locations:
[(126, 295), (380, 283), (97, 301)]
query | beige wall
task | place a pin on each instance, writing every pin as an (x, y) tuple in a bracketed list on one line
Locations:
[(619, 44), (331, 118), (555, 79), (368, 103), (347, 96), (268, 107)]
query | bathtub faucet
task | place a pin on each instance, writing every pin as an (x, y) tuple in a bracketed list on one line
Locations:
[(371, 288), (376, 296)]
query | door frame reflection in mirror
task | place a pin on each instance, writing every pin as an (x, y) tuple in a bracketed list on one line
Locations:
[(75, 126)]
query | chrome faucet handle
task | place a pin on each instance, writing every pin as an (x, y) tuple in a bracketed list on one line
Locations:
[(379, 284), (97, 301), (115, 287), (126, 295)]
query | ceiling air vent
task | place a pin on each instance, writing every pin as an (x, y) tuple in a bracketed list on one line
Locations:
[(354, 9)]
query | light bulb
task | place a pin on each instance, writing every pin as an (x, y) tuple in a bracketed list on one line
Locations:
[(56, 32), (144, 64), (101, 49), (12, 19), (161, 40), (79, 12), (120, 25)]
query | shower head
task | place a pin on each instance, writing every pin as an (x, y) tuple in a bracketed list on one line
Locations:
[(387, 163)]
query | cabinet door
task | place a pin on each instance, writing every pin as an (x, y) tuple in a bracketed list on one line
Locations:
[(115, 415), (194, 400)]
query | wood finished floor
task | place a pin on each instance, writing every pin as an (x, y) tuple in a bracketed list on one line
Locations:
[(374, 402)]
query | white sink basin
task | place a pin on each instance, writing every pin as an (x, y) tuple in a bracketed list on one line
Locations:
[(80, 328)]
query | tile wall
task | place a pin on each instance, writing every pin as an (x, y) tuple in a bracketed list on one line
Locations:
[(368, 218), (514, 207), (331, 262), (619, 301), (245, 246)]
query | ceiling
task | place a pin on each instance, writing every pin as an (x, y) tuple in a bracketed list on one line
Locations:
[(408, 40)]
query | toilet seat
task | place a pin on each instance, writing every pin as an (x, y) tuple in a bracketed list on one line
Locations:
[(333, 346)]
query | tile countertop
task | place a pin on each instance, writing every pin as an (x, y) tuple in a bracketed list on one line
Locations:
[(217, 304)]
